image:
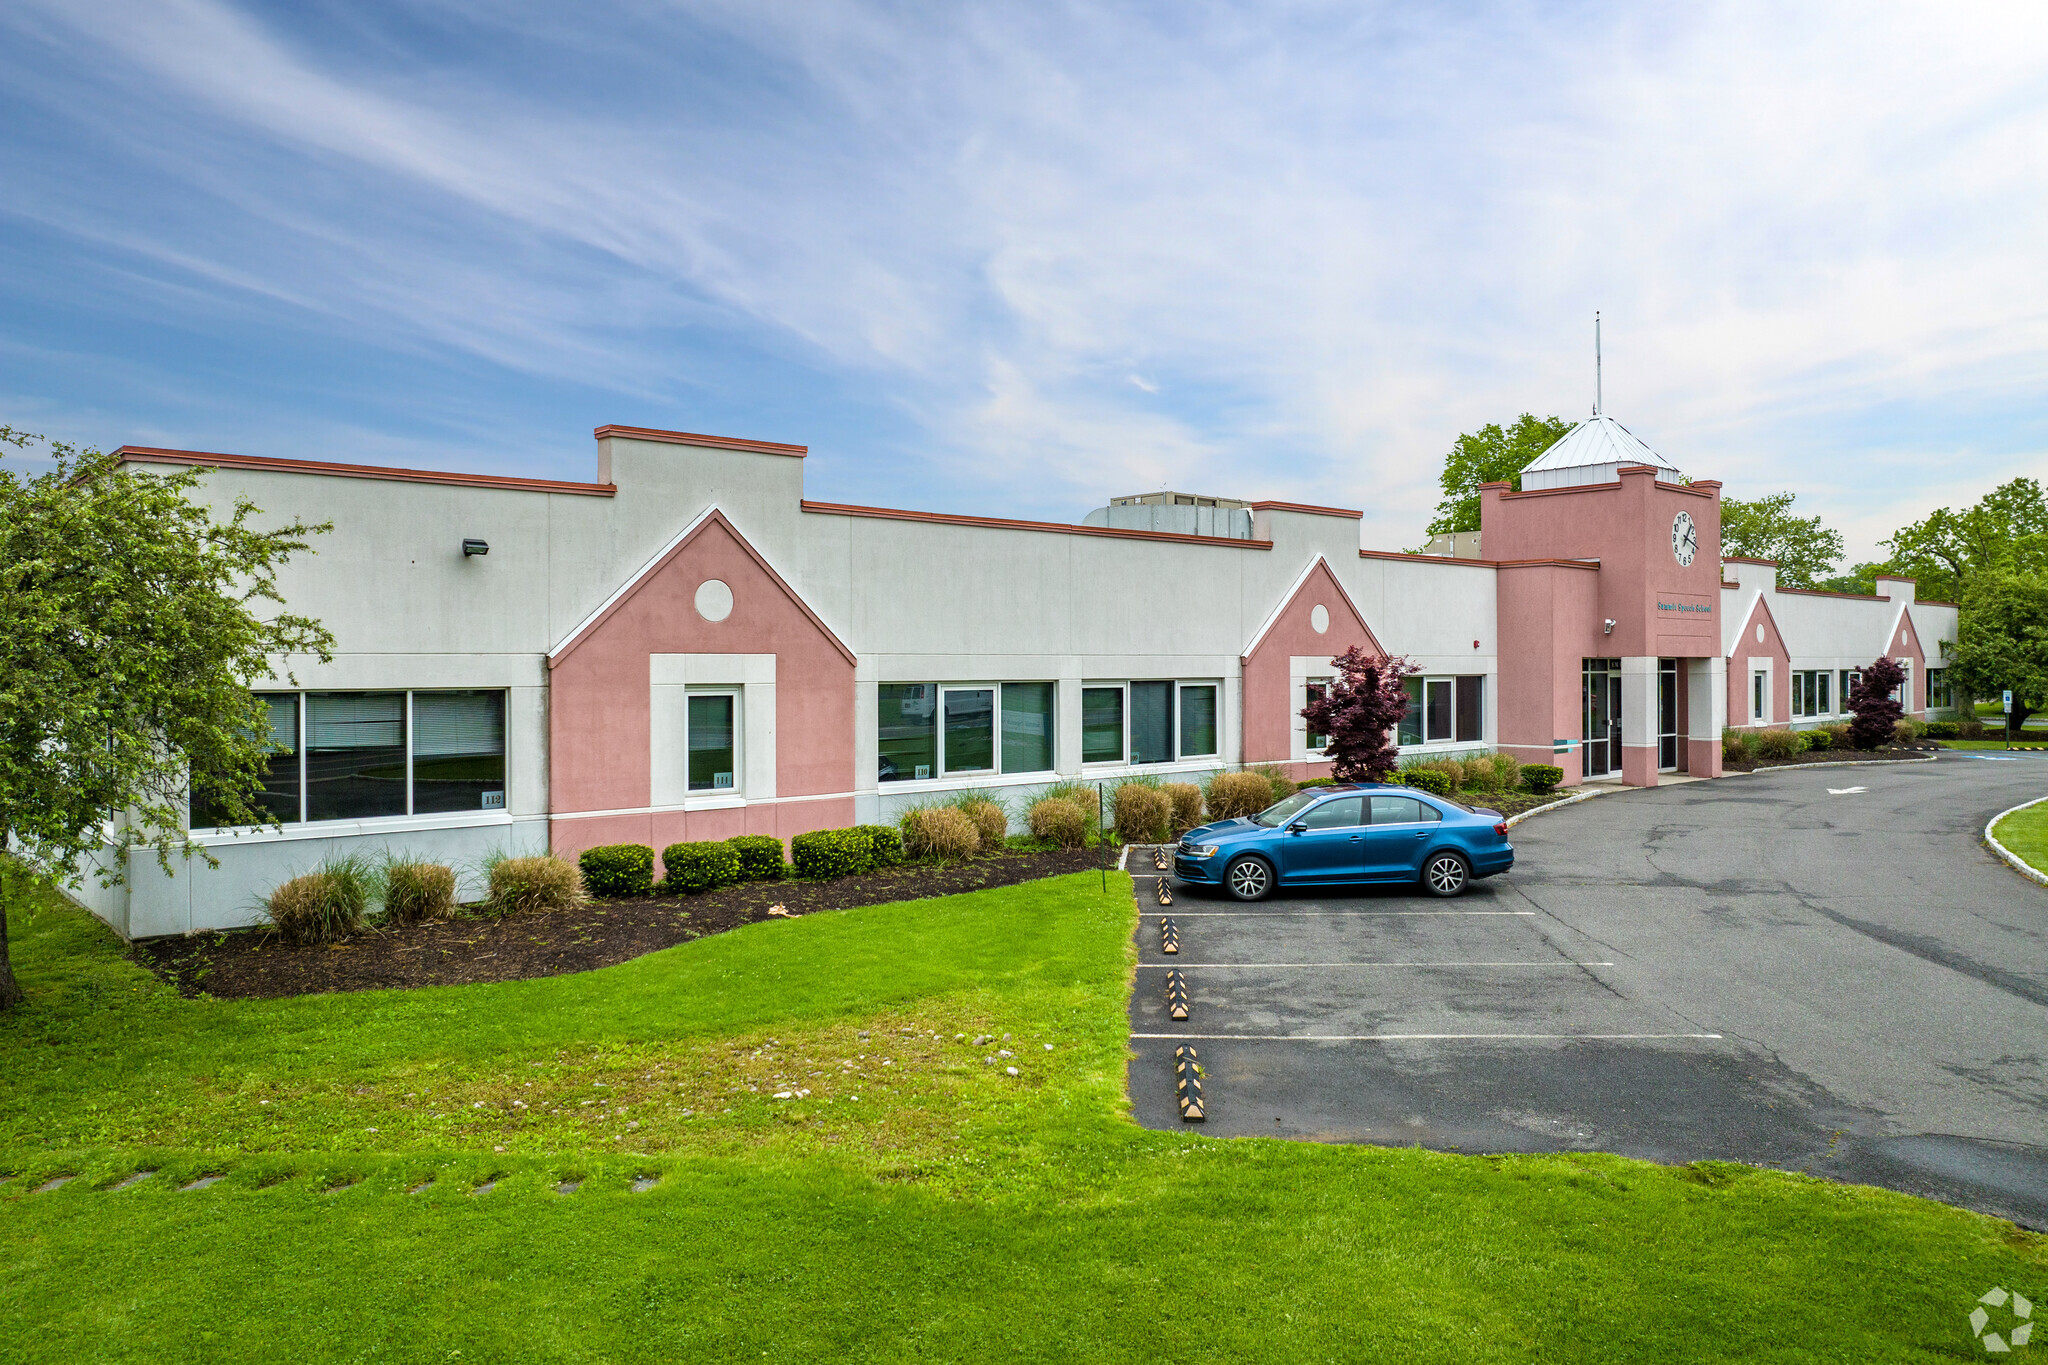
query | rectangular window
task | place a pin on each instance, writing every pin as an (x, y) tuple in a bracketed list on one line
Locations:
[(1822, 702), (1198, 721), (1471, 707), (1410, 729), (458, 751), (970, 730), (1027, 727), (712, 742), (1316, 742), (1850, 677), (280, 795), (1937, 689), (1437, 710), (1102, 725), (355, 755), (907, 731), (1756, 690), (1799, 681), (1151, 722)]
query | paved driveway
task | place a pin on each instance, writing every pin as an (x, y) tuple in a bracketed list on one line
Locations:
[(1756, 969)]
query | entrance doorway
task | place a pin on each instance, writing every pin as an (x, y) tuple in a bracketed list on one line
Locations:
[(1667, 715), (1600, 745)]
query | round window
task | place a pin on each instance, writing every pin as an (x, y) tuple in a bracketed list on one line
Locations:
[(1319, 617), (714, 600)]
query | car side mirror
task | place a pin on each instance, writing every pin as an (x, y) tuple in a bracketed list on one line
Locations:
[(1298, 827)]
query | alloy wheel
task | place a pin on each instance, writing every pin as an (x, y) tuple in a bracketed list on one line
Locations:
[(1446, 874), (1249, 879)]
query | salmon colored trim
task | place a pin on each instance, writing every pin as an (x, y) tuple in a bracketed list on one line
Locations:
[(1547, 563), (1732, 587), (1823, 592), (1738, 559), (1308, 508), (693, 438), (153, 455), (1705, 489), (1431, 559), (840, 509), (1930, 602), (1895, 578), (589, 627)]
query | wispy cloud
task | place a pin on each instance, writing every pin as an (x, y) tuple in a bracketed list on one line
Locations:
[(1030, 256)]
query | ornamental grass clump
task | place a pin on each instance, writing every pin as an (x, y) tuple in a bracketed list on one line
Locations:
[(1736, 747), (529, 885), (1058, 822), (1142, 813), (418, 891), (1776, 743), (1502, 773), (1278, 784), (1187, 803), (617, 870), (322, 905), (1233, 796), (940, 833), (991, 823)]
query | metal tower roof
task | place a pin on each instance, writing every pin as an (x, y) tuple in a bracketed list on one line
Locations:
[(1593, 452)]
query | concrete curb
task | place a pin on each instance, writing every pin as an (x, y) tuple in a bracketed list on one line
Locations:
[(1842, 763), (2019, 864), (1514, 820)]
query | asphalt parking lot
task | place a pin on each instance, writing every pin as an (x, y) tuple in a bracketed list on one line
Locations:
[(1773, 968)]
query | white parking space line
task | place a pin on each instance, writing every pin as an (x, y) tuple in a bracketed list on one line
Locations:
[(1321, 966), (1421, 1037), (1324, 914)]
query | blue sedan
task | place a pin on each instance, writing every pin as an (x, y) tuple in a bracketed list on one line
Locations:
[(1370, 832)]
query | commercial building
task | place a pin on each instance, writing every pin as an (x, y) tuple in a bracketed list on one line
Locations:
[(687, 648)]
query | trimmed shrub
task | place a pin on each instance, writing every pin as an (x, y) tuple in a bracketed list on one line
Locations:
[(1142, 813), (1433, 780), (1187, 802), (1737, 747), (991, 823), (940, 832), (1838, 736), (701, 866), (1776, 743), (885, 844), (1058, 822), (826, 853), (321, 905), (1281, 784), (519, 885), (760, 857), (617, 870), (1542, 777), (1969, 727), (418, 891), (1232, 796), (1818, 739), (1941, 729)]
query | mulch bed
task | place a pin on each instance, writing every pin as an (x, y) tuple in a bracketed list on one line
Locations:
[(251, 964), (1894, 754)]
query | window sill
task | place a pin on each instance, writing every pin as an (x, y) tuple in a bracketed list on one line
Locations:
[(722, 801), (348, 829)]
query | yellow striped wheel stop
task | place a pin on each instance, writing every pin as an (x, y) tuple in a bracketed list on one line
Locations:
[(1159, 859), (1169, 935), (1165, 896), (1176, 995), (1187, 1084)]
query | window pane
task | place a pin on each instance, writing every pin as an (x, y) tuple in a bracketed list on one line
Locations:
[(355, 755), (1410, 730), (458, 751), (1027, 727), (711, 744), (1438, 698), (1344, 812), (1824, 702), (1102, 725), (907, 728), (280, 794), (970, 729), (1471, 707), (1197, 721), (1401, 810), (1314, 740), (1151, 722)]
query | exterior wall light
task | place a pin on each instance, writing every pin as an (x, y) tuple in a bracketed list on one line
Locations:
[(483, 547), (1608, 628)]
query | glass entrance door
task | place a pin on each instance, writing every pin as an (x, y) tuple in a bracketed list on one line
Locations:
[(1667, 715), (1601, 741)]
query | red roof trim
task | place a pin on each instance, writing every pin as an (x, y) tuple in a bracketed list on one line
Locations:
[(694, 438), (840, 509), (211, 459), (1823, 592), (1930, 602), (1738, 559), (1547, 563), (1427, 559), (1710, 490), (1309, 508)]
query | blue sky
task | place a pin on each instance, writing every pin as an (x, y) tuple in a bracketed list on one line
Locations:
[(1013, 259)]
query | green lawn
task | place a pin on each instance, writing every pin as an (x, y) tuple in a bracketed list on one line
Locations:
[(950, 1212), (2025, 832)]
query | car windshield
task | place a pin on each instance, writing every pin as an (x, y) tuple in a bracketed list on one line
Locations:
[(1275, 816)]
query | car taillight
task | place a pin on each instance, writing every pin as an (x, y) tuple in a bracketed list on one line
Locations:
[(1501, 829)]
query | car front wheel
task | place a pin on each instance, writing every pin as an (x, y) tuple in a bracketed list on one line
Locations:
[(1248, 879), (1446, 874)]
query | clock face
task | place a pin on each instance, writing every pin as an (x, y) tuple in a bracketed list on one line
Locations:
[(1685, 539)]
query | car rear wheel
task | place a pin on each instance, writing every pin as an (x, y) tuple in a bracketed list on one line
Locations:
[(1446, 874), (1248, 879)]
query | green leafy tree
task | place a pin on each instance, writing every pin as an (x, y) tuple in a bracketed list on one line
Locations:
[(1490, 455), (2006, 532), (131, 625), (1766, 529), (2002, 642), (1861, 578)]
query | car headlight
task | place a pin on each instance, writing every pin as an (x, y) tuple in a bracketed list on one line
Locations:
[(1198, 850)]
